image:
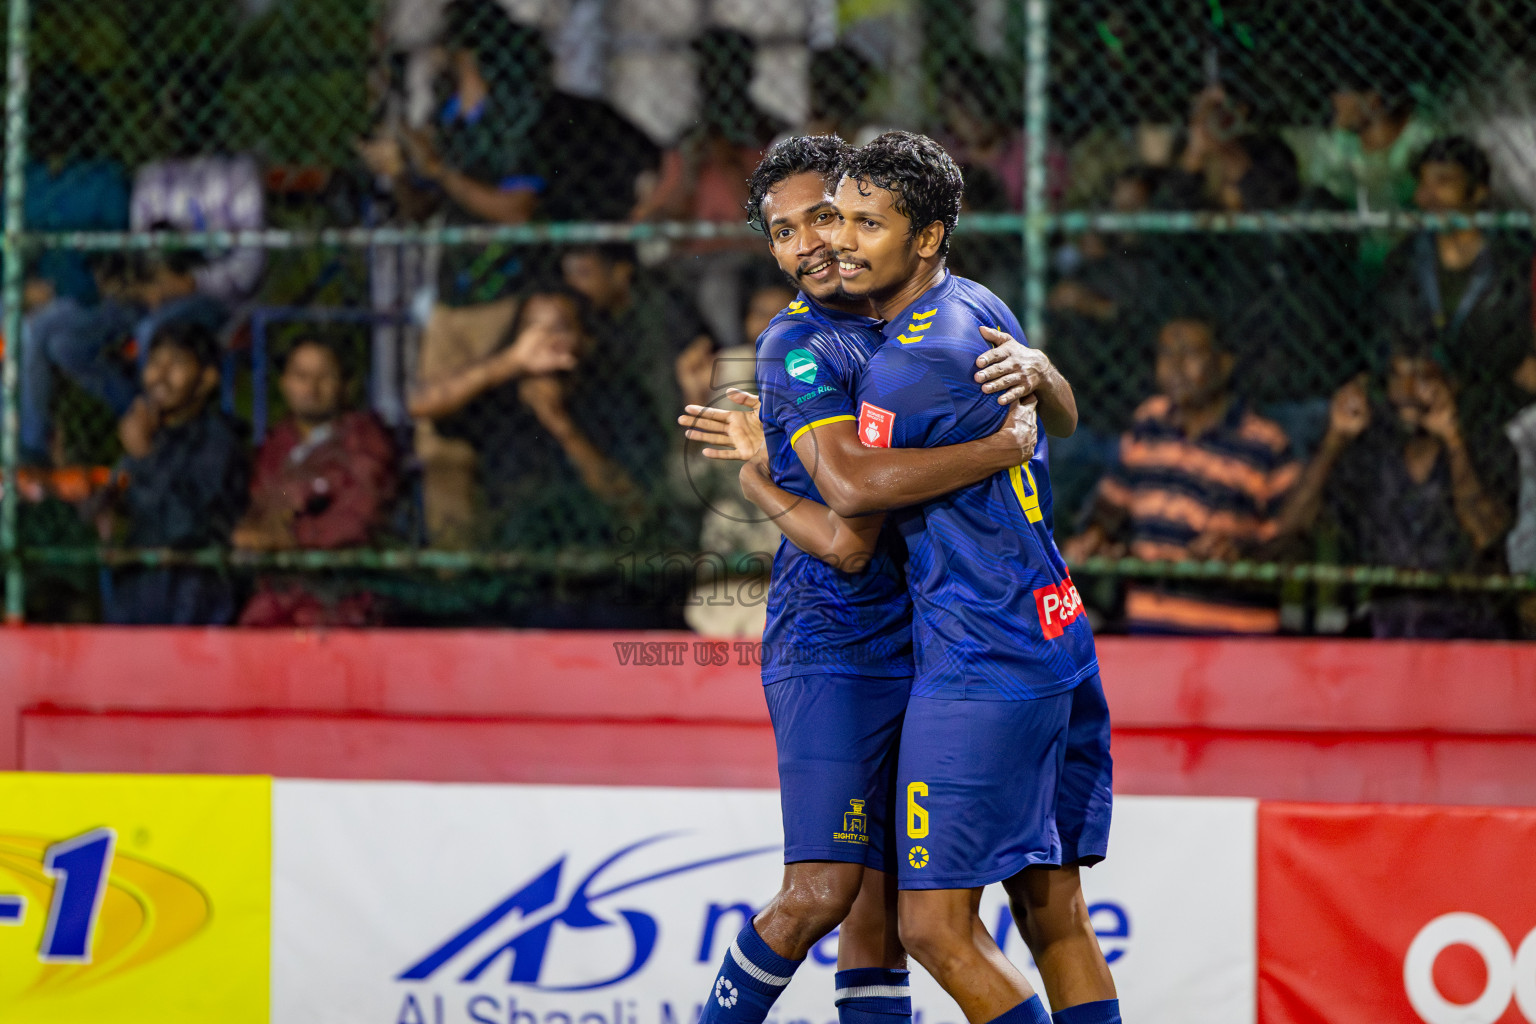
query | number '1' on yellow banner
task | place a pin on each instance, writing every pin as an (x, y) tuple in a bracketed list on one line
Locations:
[(134, 898)]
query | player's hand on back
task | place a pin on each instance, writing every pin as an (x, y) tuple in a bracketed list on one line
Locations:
[(734, 434), (1022, 426), (1009, 369)]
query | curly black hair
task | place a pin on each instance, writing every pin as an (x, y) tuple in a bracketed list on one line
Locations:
[(802, 154), (923, 179)]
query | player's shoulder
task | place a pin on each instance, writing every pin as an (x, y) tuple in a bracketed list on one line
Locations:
[(952, 315), (794, 326)]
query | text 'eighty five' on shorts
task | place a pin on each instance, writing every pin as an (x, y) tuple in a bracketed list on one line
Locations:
[(986, 788), (836, 736)]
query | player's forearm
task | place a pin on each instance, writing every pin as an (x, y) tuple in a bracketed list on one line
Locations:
[(810, 525), (1057, 405), (859, 481)]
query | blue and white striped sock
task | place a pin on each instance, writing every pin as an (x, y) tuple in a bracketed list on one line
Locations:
[(750, 979), (873, 995)]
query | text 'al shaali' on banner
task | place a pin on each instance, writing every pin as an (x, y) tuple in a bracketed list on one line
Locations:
[(134, 899), (429, 904)]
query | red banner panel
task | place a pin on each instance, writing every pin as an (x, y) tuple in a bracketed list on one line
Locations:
[(1371, 914)]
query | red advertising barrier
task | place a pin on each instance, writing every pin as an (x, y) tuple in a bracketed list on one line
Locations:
[(1282, 719), (1370, 914)]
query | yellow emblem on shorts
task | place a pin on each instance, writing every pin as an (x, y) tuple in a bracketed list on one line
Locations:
[(855, 824), (918, 857)]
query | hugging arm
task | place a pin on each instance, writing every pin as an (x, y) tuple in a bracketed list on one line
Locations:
[(843, 543)]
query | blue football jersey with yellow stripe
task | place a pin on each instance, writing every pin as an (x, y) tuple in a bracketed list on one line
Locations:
[(995, 614), (820, 619)]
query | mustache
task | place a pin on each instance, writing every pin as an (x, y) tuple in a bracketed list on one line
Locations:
[(806, 266), (843, 257)]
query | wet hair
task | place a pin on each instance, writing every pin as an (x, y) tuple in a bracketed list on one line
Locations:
[(802, 154), (1458, 150), (923, 179), (193, 339)]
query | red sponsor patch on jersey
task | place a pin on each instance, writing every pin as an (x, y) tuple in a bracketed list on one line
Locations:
[(1058, 606), (876, 426)]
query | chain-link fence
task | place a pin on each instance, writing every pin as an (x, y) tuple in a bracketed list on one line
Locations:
[(357, 311)]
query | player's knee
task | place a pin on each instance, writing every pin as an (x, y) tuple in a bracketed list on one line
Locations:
[(932, 939), (816, 908), (1048, 904)]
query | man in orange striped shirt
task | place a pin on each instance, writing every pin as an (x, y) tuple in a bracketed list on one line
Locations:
[(1200, 476)]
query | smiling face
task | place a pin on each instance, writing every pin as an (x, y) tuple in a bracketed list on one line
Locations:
[(801, 219), (876, 251)]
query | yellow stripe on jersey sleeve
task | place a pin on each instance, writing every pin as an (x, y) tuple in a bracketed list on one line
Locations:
[(818, 423)]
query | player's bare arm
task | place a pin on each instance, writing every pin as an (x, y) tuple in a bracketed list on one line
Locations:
[(737, 435), (857, 480), (1036, 375)]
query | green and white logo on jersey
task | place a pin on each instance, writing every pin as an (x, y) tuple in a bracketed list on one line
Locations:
[(801, 366)]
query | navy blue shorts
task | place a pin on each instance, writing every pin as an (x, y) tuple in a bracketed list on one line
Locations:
[(988, 788), (836, 737)]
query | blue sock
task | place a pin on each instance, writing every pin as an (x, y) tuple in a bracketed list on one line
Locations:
[(873, 995), (1030, 1011), (1105, 1011), (750, 979)]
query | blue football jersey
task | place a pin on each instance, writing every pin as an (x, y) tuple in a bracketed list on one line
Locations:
[(822, 620), (996, 616)]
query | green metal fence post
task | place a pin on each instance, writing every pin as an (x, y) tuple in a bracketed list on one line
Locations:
[(11, 248), (1036, 29)]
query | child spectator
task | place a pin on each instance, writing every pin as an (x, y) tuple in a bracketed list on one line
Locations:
[(186, 473), (324, 478), (1200, 476)]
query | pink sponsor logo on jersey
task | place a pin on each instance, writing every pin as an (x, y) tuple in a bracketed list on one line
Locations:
[(1058, 606)]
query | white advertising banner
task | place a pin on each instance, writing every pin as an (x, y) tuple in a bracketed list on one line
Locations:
[(405, 903)]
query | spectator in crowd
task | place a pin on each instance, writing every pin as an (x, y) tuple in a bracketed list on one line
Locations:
[(982, 132), (1200, 476), (1408, 490), (704, 177), (186, 472), (198, 191), (1462, 294), (67, 188), (1364, 158), (542, 465), (479, 167), (646, 332), (1102, 317), (324, 478), (1289, 300)]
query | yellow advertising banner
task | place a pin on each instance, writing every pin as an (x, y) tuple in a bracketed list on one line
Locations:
[(134, 898)]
